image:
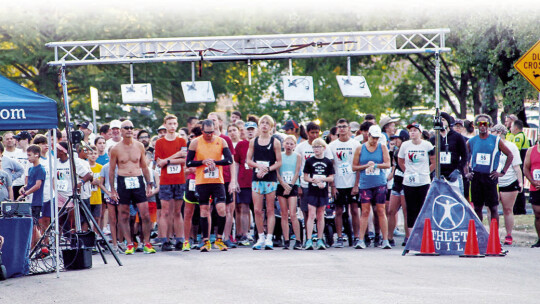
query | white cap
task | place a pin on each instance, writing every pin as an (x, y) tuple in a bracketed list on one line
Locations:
[(375, 131), (116, 124)]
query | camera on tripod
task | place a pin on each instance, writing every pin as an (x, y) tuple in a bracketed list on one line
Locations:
[(77, 137)]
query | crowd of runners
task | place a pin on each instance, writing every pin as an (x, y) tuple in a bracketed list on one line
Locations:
[(250, 183)]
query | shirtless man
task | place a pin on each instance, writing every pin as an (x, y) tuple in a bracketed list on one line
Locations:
[(129, 156)]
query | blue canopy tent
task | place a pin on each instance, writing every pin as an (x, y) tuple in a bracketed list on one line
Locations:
[(24, 109)]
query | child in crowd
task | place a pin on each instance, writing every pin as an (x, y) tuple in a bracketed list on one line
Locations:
[(34, 186), (96, 204), (318, 172), (6, 188)]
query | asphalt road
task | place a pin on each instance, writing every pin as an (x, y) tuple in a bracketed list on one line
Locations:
[(242, 275)]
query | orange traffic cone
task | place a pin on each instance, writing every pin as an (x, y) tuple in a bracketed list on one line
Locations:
[(494, 243), (471, 247), (428, 246)]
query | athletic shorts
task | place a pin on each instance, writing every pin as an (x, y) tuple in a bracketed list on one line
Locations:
[(228, 196), (216, 191), (96, 211), (36, 213), (85, 201), (244, 196), (262, 187), (46, 209), (534, 198), (280, 190), (510, 188), (109, 201), (395, 193), (171, 192), (375, 195), (131, 196), (190, 196), (484, 190), (317, 201), (344, 197)]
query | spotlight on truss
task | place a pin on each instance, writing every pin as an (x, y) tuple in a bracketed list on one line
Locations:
[(353, 86), (298, 88), (137, 93), (198, 91)]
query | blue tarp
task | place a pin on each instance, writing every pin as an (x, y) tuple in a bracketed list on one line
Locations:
[(449, 213), (24, 109)]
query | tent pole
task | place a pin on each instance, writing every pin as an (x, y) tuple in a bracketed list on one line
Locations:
[(438, 126)]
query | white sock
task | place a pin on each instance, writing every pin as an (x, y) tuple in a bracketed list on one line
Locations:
[(269, 237), (261, 236)]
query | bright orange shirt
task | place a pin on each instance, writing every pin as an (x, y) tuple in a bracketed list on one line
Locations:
[(209, 150)]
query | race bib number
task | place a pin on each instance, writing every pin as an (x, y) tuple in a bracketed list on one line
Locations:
[(536, 174), (264, 163), (191, 186), (483, 159), (319, 176), (399, 173), (287, 176), (373, 171), (211, 173), (412, 178), (445, 158), (174, 169), (132, 182), (344, 169), (63, 185)]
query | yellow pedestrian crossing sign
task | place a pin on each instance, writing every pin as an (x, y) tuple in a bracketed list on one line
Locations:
[(529, 65)]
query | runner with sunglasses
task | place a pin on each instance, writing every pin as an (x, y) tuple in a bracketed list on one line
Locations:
[(485, 150)]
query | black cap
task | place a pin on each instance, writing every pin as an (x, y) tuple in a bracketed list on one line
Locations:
[(23, 135), (290, 124), (448, 118)]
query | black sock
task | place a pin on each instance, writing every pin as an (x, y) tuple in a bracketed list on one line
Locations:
[(203, 223), (220, 221)]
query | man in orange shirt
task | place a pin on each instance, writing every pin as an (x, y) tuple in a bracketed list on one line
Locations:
[(170, 153), (208, 154)]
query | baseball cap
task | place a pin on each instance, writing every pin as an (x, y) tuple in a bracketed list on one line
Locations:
[(458, 122), (375, 131), (23, 135), (448, 118), (355, 126), (415, 125), (116, 124), (250, 124), (290, 124), (386, 120), (87, 125), (162, 127)]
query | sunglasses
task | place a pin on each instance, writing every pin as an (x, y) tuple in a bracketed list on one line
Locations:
[(192, 136), (208, 132), (483, 123), (342, 127), (128, 128)]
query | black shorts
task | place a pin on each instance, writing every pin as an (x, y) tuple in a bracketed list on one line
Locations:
[(244, 196), (317, 201), (36, 213), (534, 198), (510, 188), (216, 191), (228, 196), (190, 196), (131, 196), (344, 197), (280, 190), (484, 190)]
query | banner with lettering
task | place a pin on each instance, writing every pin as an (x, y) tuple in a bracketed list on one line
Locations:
[(450, 213)]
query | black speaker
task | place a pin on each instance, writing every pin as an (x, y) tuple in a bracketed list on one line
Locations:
[(80, 258)]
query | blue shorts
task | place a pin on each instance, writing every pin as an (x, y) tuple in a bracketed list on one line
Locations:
[(262, 187), (171, 192), (317, 201), (375, 195), (46, 209), (244, 196)]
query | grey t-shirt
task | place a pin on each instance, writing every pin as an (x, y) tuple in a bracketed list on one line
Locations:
[(5, 182)]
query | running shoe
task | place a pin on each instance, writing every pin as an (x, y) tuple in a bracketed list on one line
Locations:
[(139, 247), (230, 244), (212, 238), (377, 240), (268, 243), (167, 246), (186, 246), (260, 243), (361, 245), (537, 245), (179, 245), (386, 244), (286, 245), (356, 242), (320, 245), (398, 232), (309, 245), (206, 247), (220, 245), (339, 243), (148, 249), (297, 245), (244, 241), (508, 240), (392, 242), (130, 249), (404, 242)]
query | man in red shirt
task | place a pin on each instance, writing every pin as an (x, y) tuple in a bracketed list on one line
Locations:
[(229, 176), (170, 155), (243, 198)]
